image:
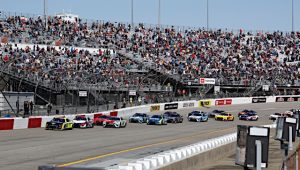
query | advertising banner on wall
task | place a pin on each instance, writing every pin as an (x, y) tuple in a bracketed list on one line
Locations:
[(204, 103), (259, 100), (287, 99), (171, 106), (155, 108), (207, 81), (188, 104), (222, 102)]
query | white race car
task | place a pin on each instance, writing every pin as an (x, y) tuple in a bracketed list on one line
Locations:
[(81, 121)]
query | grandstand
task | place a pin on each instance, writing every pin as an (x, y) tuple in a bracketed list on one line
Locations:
[(128, 65)]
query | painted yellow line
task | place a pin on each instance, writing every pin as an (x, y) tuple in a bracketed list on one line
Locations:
[(137, 148)]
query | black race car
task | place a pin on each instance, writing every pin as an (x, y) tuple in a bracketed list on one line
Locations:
[(214, 113), (173, 117)]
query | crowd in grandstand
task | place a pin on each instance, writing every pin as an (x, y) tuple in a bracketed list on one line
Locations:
[(229, 57)]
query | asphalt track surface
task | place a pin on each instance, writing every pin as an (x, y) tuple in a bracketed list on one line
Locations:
[(27, 149)]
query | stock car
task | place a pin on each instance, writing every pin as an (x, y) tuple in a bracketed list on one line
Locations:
[(157, 120), (214, 113), (274, 116), (139, 118), (249, 116), (198, 116), (81, 121), (60, 123), (224, 116), (114, 121), (245, 111), (100, 119), (173, 117)]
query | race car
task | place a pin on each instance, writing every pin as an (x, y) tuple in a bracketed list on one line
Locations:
[(81, 121), (60, 123), (214, 113), (173, 117), (100, 119), (245, 111), (249, 116), (198, 116), (274, 116), (139, 118), (284, 114), (157, 120), (224, 116), (116, 122)]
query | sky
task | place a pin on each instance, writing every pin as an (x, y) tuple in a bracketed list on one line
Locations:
[(252, 15)]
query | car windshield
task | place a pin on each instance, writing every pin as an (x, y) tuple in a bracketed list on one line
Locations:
[(138, 115), (80, 118), (224, 114), (251, 114), (103, 116), (61, 120), (197, 114), (168, 113), (156, 116), (174, 115), (114, 118)]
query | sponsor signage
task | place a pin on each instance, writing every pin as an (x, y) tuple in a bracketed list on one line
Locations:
[(188, 104), (204, 103), (223, 102), (207, 81), (154, 108), (171, 106), (287, 99), (259, 100), (82, 93), (132, 92)]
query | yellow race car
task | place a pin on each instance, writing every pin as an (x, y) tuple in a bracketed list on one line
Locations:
[(60, 123), (224, 116)]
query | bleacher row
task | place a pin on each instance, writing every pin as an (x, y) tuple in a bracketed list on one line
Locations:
[(272, 58)]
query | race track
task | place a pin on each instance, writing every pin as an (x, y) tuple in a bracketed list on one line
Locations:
[(98, 147)]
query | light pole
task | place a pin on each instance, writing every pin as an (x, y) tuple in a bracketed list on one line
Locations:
[(45, 13), (292, 15), (207, 15), (158, 13), (131, 13)]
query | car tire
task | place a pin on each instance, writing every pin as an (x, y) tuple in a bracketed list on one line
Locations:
[(198, 120), (232, 119), (104, 124), (125, 125), (140, 121), (117, 125)]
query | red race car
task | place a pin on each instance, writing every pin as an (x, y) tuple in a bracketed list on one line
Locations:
[(100, 119), (116, 122)]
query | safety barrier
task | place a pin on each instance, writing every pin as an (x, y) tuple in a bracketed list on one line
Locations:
[(40, 121), (169, 157)]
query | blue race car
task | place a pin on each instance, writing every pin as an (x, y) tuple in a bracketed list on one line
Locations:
[(198, 116), (157, 120), (139, 118)]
